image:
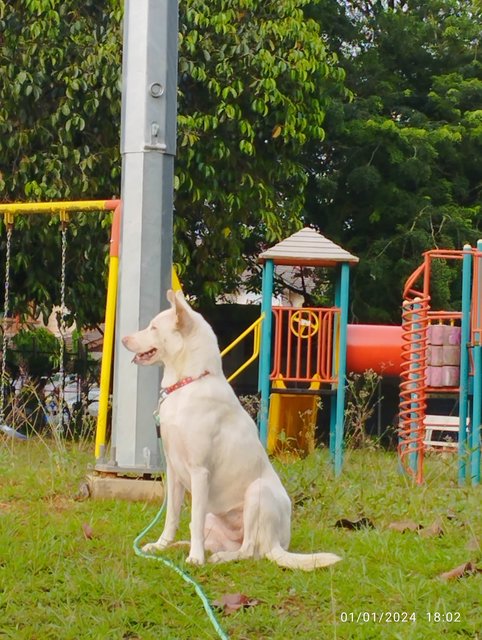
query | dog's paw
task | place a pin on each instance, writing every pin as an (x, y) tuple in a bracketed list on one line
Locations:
[(215, 558), (152, 547), (224, 556), (195, 560)]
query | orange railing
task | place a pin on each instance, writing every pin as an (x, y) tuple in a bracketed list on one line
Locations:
[(303, 344)]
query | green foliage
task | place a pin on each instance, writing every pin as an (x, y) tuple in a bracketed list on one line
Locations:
[(59, 97), (362, 399), (255, 79), (34, 353), (268, 138), (398, 176), (60, 122)]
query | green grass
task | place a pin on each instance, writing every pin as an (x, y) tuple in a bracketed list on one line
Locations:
[(56, 583)]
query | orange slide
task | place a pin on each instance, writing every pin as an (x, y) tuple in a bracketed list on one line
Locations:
[(374, 346)]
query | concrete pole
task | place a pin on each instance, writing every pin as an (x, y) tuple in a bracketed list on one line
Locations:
[(148, 146)]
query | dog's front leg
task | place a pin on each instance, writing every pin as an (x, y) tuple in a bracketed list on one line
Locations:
[(199, 494), (175, 497)]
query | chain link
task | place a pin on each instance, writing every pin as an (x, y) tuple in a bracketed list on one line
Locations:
[(6, 309), (62, 325)]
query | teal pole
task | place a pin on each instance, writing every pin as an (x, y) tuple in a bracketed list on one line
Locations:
[(476, 415), (340, 393), (477, 400), (464, 361), (265, 350)]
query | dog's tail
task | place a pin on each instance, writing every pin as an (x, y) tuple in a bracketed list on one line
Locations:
[(304, 561)]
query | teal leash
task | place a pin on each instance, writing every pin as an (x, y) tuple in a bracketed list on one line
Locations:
[(185, 576)]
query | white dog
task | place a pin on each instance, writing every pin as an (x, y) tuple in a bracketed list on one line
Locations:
[(239, 509)]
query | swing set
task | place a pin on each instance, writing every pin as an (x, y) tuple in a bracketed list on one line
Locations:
[(63, 210)]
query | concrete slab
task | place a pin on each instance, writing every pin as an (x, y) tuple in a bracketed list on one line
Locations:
[(112, 487)]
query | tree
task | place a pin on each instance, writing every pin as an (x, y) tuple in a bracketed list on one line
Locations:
[(35, 353), (59, 131), (32, 358), (397, 173), (255, 79)]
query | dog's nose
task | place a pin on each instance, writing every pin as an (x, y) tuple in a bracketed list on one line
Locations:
[(125, 340)]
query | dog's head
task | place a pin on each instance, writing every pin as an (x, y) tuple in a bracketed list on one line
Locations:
[(169, 334)]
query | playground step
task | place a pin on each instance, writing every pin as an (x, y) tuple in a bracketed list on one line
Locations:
[(442, 432)]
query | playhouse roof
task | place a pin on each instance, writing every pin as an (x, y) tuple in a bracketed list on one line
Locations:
[(307, 247)]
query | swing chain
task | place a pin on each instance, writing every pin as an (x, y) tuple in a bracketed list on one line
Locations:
[(62, 323), (6, 309)]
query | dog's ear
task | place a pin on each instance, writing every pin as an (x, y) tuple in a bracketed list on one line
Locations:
[(181, 308)]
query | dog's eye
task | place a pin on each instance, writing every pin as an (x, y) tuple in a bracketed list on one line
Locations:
[(153, 328)]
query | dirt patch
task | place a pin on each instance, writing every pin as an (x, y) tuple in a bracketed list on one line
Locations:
[(58, 502)]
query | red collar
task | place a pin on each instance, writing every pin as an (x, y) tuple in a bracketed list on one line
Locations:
[(166, 391)]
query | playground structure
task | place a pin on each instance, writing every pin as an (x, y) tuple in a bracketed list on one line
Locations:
[(305, 353), (433, 352), (64, 210), (309, 344), (442, 353)]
